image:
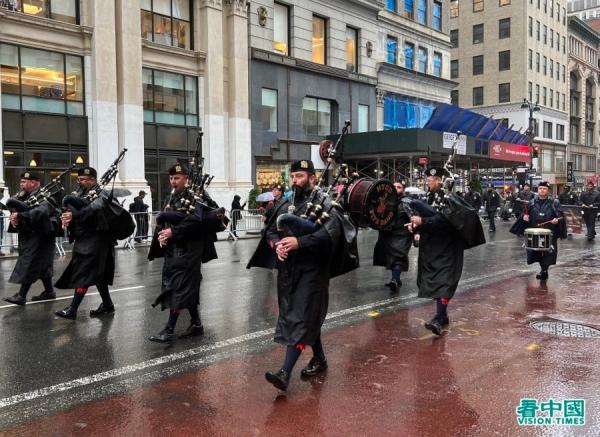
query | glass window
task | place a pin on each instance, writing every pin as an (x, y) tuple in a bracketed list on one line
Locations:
[(437, 16), (409, 56), (42, 73), (281, 29), (454, 69), (504, 92), (74, 79), (401, 111), (363, 118), (504, 28), (477, 33), (530, 91), (454, 38), (64, 10), (390, 5), (60, 10), (167, 22), (437, 64), (316, 116), (530, 26), (453, 8), (392, 50), (477, 65), (409, 7), (454, 97), (422, 60), (319, 48), (477, 5), (422, 12), (351, 49), (9, 69), (530, 60), (504, 60), (269, 110), (170, 98), (478, 96), (504, 2)]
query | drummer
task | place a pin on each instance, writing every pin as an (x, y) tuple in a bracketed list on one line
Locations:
[(545, 212)]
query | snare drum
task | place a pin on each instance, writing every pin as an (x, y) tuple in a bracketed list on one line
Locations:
[(538, 239)]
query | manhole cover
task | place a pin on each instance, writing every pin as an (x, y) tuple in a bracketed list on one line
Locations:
[(565, 329)]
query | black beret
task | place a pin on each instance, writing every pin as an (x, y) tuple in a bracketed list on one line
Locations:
[(87, 171), (179, 168), (30, 176), (437, 171), (303, 165), (544, 184)]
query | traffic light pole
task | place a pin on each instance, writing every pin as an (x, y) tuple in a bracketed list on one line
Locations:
[(533, 151)]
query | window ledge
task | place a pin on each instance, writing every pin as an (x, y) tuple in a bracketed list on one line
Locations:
[(173, 50), (49, 23)]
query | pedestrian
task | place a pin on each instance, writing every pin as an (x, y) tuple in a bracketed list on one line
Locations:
[(590, 202), (93, 256), (139, 210), (491, 202), (2, 208), (473, 197), (184, 243), (37, 229), (391, 249), (277, 191), (236, 214), (545, 212), (305, 265), (441, 251), (568, 197), (523, 198)]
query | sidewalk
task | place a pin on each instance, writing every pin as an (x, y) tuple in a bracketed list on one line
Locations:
[(387, 375)]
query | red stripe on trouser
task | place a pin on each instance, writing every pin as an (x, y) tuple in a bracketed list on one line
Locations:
[(300, 347), (444, 300), (81, 290)]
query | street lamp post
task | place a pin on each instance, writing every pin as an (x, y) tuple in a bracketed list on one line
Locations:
[(532, 107)]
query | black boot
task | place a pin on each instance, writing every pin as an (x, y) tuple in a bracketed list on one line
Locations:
[(16, 299), (434, 326), (543, 275), (194, 330), (102, 309), (314, 367), (44, 295), (68, 313), (279, 379), (165, 336)]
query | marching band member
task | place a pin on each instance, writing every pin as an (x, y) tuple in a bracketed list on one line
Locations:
[(37, 231), (305, 267), (590, 201)]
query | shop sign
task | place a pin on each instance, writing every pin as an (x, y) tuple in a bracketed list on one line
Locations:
[(461, 144), (570, 177), (509, 152)]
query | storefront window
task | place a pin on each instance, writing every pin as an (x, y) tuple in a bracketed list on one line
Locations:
[(170, 98), (43, 82), (60, 10), (363, 118), (268, 174), (167, 22)]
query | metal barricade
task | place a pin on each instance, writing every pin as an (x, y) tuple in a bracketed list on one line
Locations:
[(145, 223), (245, 220), (9, 241)]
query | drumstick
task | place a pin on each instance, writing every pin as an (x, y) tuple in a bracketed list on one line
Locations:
[(549, 221)]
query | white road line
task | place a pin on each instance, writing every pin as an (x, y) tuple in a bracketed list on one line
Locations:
[(71, 297)]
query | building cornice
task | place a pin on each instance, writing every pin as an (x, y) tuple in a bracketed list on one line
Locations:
[(77, 37), (576, 24), (266, 56), (174, 59), (405, 73)]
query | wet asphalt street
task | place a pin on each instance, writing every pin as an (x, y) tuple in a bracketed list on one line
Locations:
[(50, 365)]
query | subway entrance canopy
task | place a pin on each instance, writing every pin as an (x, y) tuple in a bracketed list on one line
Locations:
[(488, 143)]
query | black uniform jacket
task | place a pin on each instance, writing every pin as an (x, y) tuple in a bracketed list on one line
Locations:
[(190, 246), (491, 200), (590, 199), (303, 280), (37, 230), (541, 211), (393, 245), (569, 198), (441, 250), (93, 257)]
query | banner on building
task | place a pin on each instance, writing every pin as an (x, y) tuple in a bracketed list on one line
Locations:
[(461, 145), (570, 178), (509, 152), (573, 219)]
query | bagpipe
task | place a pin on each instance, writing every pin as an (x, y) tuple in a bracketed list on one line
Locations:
[(195, 200), (455, 209), (317, 213), (118, 220), (47, 193)]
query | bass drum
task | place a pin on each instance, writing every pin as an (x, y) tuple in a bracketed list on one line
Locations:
[(372, 203)]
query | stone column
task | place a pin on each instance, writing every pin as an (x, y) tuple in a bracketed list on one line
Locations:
[(2, 146), (380, 94), (210, 38), (103, 120), (239, 152), (130, 112)]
